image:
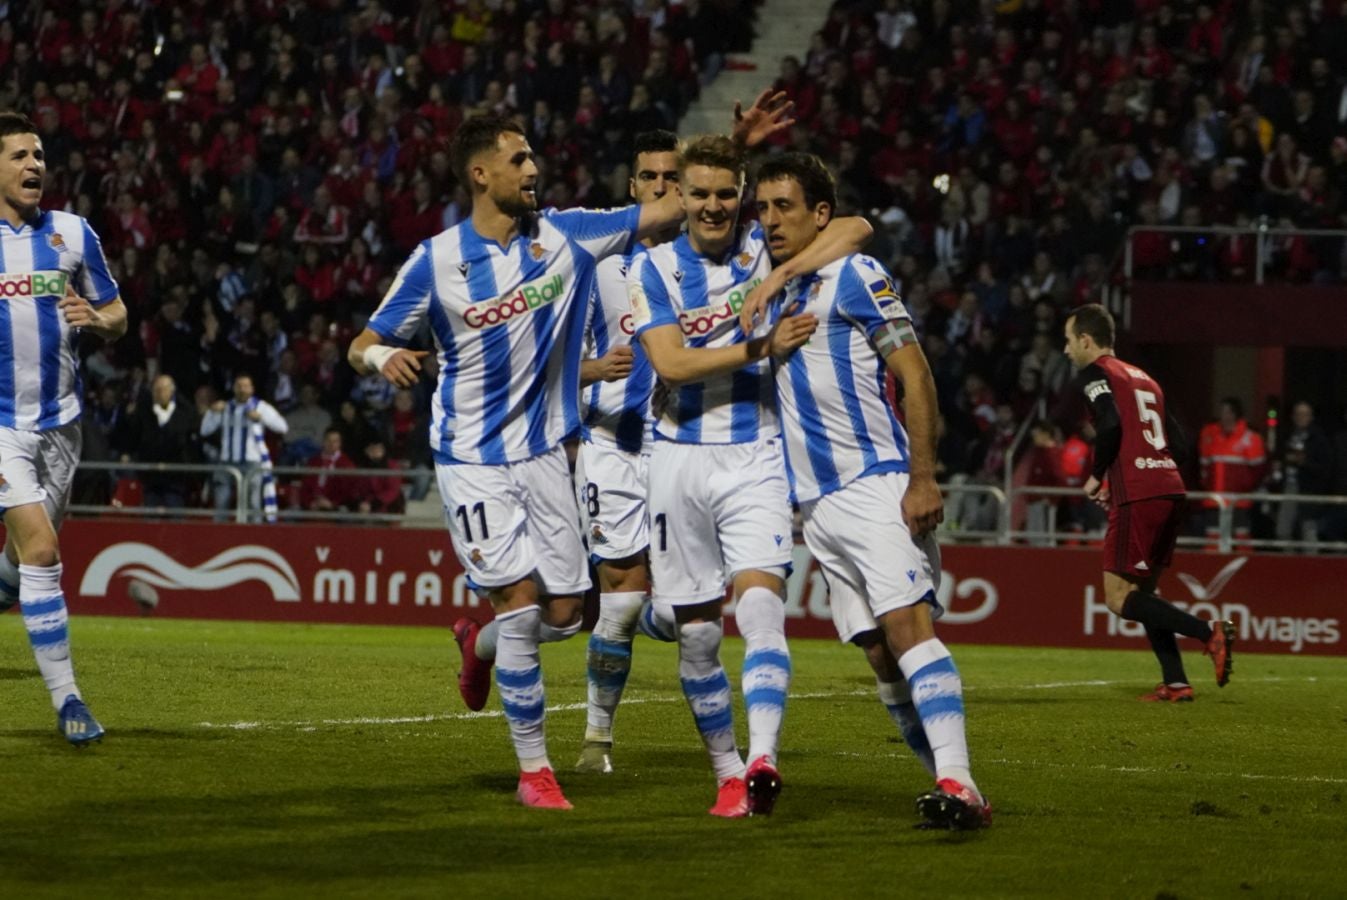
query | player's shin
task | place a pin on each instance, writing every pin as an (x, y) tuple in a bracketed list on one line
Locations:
[(1156, 612), (1166, 650), (937, 692), (707, 689), (608, 661), (519, 680), (897, 699), (761, 616), (46, 620)]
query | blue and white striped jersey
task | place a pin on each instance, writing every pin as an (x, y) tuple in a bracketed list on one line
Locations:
[(837, 423), (617, 413), (673, 284), (40, 385), (508, 329)]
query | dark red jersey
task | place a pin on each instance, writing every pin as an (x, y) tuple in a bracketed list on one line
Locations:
[(1133, 445)]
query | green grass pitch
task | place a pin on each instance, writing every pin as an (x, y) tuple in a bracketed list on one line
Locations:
[(265, 760)]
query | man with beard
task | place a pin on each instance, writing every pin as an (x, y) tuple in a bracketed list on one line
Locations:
[(504, 292)]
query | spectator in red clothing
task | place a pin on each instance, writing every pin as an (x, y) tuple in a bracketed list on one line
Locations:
[(198, 75), (416, 218), (378, 493), (324, 222), (317, 275), (324, 491)]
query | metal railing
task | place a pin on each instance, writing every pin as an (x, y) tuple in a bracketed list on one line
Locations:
[(1262, 233), (245, 485), (429, 514)]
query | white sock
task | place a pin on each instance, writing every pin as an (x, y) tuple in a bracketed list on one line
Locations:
[(609, 660), (761, 616), (708, 692), (485, 648), (519, 680), (45, 617), (937, 692), (552, 634), (897, 699)]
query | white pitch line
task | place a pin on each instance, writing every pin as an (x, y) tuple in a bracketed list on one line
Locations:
[(311, 725)]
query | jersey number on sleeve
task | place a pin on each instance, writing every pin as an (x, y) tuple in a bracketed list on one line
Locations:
[(1152, 429)]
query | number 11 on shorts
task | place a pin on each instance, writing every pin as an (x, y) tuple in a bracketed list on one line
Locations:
[(479, 510)]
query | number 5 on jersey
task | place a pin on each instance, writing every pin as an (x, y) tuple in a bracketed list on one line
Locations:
[(1152, 428)]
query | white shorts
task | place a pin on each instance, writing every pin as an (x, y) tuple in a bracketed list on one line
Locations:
[(868, 556), (39, 467), (514, 521), (716, 510), (611, 487)]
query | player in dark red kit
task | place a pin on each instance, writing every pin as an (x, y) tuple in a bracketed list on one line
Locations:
[(1136, 478)]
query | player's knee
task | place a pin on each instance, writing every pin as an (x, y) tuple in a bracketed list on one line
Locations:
[(619, 612), (564, 614), (907, 626), (699, 640), (41, 553), (877, 654), (623, 575)]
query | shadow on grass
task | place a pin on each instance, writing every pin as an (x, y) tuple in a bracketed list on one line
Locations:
[(17, 674)]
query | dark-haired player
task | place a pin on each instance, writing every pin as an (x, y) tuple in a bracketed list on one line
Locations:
[(865, 485), (504, 292), (614, 459), (1135, 477), (54, 283)]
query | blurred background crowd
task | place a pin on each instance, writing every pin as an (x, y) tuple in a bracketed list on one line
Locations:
[(258, 169)]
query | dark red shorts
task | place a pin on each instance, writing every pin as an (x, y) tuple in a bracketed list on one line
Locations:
[(1141, 535)]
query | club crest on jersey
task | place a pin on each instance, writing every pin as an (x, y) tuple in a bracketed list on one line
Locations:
[(520, 302), (57, 242), (536, 250), (744, 259)]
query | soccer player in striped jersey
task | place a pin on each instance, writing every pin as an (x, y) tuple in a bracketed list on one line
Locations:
[(54, 285), (614, 459), (719, 501), (865, 486), (504, 294)]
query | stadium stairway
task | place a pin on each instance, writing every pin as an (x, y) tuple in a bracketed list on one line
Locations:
[(783, 29)]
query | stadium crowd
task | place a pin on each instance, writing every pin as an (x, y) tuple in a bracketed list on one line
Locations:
[(258, 168)]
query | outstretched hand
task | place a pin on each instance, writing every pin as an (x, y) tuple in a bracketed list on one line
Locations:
[(769, 115)]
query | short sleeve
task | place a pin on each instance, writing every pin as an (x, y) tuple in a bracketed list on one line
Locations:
[(600, 232), (866, 294), (96, 281), (651, 305), (405, 305)]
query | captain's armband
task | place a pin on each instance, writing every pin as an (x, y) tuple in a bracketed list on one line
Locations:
[(893, 335)]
